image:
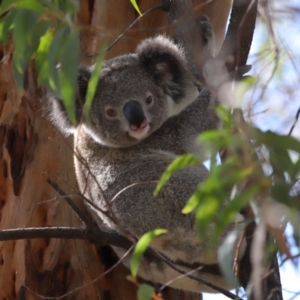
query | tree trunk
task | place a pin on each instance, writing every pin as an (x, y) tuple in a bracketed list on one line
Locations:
[(31, 152)]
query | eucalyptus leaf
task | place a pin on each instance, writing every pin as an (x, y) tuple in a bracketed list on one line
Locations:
[(226, 255), (6, 24), (24, 24), (69, 57), (206, 213), (41, 59), (141, 247), (7, 5), (232, 209), (176, 165), (33, 5), (93, 83), (134, 4), (145, 292)]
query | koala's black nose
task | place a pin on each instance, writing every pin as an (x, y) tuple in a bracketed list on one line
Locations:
[(134, 114)]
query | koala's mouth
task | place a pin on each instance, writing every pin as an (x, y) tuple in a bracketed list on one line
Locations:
[(141, 132)]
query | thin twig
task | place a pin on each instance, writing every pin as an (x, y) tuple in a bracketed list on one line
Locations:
[(76, 209), (295, 121), (197, 278), (179, 277), (161, 6)]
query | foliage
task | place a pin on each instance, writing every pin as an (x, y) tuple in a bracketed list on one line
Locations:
[(260, 168), (141, 247), (44, 30), (145, 292)]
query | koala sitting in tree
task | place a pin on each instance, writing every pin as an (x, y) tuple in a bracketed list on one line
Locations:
[(147, 110)]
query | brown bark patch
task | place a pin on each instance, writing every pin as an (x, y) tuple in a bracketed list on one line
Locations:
[(20, 143)]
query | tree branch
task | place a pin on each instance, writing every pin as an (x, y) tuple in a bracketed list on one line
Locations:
[(83, 233), (238, 40), (188, 33)]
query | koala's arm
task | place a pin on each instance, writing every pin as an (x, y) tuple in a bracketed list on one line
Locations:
[(56, 110)]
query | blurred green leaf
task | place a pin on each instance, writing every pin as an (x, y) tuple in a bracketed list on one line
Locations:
[(7, 5), (6, 24), (134, 4), (43, 63), (295, 169), (34, 5), (69, 58), (93, 83), (145, 291), (193, 202), (67, 7), (53, 57), (141, 247), (278, 141), (281, 192), (231, 210), (24, 30), (226, 254), (206, 213), (177, 164)]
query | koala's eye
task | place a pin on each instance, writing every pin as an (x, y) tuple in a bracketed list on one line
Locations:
[(111, 112), (149, 100)]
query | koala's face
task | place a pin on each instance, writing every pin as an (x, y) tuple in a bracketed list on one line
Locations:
[(128, 104), (136, 94)]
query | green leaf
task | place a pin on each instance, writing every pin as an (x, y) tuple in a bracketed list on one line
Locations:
[(145, 291), (69, 57), (31, 5), (67, 8), (7, 5), (177, 164), (226, 255), (295, 169), (214, 140), (134, 4), (93, 82), (193, 202), (25, 24), (281, 192), (51, 76), (228, 214), (6, 24), (141, 247), (206, 213), (275, 140), (42, 60)]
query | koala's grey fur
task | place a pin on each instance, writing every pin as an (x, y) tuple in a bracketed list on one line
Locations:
[(119, 160)]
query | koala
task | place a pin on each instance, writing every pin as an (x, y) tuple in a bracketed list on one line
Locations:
[(146, 111)]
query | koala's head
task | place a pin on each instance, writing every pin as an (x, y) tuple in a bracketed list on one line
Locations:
[(135, 95)]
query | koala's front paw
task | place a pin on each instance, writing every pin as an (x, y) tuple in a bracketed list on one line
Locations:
[(207, 32)]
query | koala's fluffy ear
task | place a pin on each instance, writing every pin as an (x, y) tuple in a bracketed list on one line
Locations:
[(57, 111), (166, 62)]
